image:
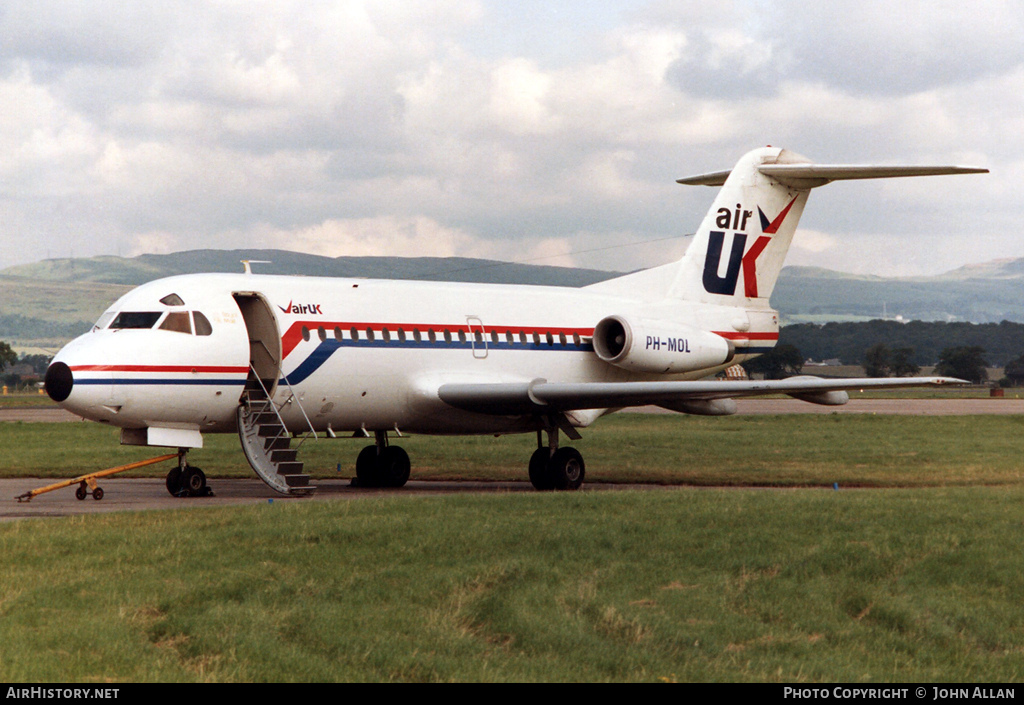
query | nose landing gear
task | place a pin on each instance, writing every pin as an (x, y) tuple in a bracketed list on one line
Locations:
[(186, 480)]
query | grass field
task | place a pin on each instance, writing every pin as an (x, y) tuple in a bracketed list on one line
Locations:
[(674, 585), (797, 583)]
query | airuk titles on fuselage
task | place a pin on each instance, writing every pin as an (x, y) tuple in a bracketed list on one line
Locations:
[(299, 309)]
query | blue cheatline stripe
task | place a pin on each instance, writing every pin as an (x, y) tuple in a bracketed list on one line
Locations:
[(328, 347), (222, 382)]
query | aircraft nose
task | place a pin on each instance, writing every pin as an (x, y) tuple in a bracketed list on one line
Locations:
[(59, 381)]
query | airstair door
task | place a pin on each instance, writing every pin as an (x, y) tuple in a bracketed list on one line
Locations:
[(264, 342)]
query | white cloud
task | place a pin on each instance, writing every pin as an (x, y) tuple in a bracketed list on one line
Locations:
[(393, 128)]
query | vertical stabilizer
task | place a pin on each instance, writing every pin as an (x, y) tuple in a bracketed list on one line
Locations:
[(738, 251)]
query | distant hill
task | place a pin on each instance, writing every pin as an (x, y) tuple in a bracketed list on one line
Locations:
[(987, 293), (48, 302), (138, 270)]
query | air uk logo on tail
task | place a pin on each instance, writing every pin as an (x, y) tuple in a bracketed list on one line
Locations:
[(739, 256)]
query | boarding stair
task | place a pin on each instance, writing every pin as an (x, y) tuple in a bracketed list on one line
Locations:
[(266, 442)]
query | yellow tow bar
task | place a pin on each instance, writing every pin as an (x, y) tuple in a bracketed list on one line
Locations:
[(89, 480)]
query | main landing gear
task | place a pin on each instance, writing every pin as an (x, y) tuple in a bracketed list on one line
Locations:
[(551, 467), (186, 480), (554, 468), (382, 465)]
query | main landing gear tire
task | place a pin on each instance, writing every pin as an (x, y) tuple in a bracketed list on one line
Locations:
[(388, 468), (567, 469), (563, 470), (366, 467), (539, 475)]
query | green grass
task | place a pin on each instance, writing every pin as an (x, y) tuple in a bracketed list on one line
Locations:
[(20, 400), (679, 585), (785, 450)]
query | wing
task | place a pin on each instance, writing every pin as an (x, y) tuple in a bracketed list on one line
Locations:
[(542, 397)]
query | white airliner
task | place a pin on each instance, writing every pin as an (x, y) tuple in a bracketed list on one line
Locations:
[(273, 357)]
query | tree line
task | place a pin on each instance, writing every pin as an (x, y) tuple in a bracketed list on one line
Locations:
[(925, 340), (9, 358), (891, 349)]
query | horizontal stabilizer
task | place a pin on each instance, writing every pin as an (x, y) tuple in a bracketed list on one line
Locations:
[(805, 176)]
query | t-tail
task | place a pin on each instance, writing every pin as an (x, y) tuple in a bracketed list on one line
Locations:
[(738, 251)]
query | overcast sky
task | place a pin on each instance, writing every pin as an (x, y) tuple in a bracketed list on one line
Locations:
[(520, 130)]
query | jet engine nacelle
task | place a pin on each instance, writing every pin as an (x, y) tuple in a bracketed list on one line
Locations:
[(646, 345)]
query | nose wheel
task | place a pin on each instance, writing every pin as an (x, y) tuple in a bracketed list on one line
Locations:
[(187, 480)]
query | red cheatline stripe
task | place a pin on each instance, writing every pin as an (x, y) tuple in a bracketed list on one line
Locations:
[(747, 336), (209, 369)]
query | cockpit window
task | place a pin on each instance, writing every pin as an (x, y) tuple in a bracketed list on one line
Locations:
[(136, 319), (103, 320), (177, 321), (172, 300), (203, 326)]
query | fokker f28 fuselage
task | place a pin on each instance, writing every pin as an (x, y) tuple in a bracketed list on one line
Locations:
[(271, 356)]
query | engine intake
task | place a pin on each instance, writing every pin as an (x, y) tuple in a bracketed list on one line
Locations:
[(659, 346)]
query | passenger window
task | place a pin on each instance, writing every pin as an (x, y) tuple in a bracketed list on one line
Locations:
[(321, 333), (203, 326), (178, 322), (136, 319)]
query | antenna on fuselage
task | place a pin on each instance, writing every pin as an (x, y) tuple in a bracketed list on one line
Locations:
[(247, 262)]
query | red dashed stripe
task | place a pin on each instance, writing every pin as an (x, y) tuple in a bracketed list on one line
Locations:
[(293, 335)]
